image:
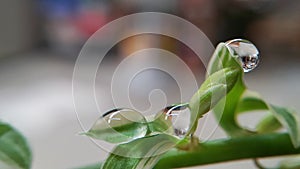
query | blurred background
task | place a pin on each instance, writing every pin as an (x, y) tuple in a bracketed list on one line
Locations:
[(41, 39)]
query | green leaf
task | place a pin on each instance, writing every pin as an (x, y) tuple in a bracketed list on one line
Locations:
[(225, 110), (214, 88), (94, 166), (290, 120), (250, 101), (161, 125), (268, 124), (275, 119), (14, 150), (239, 99), (118, 126), (141, 153), (221, 59)]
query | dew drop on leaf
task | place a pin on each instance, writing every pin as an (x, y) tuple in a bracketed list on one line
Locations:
[(178, 116), (119, 126), (246, 52)]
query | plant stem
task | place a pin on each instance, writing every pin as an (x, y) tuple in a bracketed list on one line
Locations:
[(256, 146)]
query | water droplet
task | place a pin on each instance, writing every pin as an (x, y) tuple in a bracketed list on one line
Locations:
[(178, 118), (246, 52), (119, 126)]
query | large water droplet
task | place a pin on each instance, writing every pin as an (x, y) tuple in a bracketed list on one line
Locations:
[(119, 125), (246, 52), (178, 118)]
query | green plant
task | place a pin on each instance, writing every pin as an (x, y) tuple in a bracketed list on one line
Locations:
[(153, 143), (14, 150), (225, 78)]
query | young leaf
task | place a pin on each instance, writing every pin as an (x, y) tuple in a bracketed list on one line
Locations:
[(225, 110), (142, 153), (242, 100), (221, 59), (239, 99), (118, 126), (14, 150), (211, 92), (290, 120)]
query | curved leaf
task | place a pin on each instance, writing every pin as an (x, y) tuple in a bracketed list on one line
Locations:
[(210, 93), (14, 150), (250, 101), (276, 118), (242, 100), (239, 99), (221, 59), (119, 126), (268, 124), (225, 110), (141, 153), (226, 113), (290, 120)]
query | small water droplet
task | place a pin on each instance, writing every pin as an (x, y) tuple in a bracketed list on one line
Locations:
[(119, 125), (246, 52), (178, 116)]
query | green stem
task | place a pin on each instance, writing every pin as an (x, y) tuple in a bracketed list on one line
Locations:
[(256, 146), (230, 149)]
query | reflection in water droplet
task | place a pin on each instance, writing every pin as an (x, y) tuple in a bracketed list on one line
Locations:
[(119, 125), (178, 116), (246, 52)]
